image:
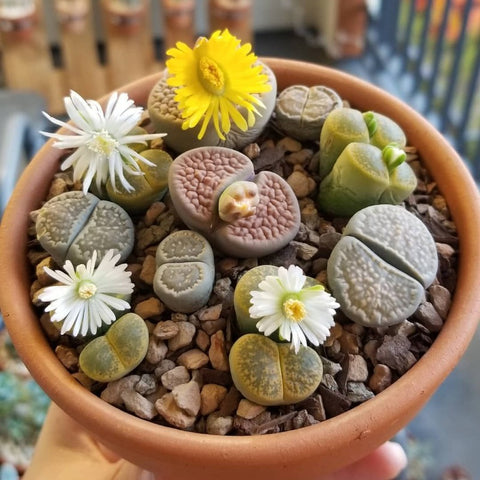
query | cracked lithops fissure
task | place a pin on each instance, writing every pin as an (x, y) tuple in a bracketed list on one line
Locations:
[(167, 117), (185, 271), (381, 265), (72, 225), (199, 177)]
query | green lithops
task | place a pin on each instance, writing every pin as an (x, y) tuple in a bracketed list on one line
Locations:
[(380, 267), (384, 131), (118, 352), (148, 188), (185, 271), (341, 127), (241, 298), (72, 225), (270, 373), (364, 175)]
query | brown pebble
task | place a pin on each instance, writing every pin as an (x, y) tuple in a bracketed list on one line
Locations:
[(301, 157), (184, 337), (193, 359), (151, 215), (68, 356), (211, 395), (252, 151), (395, 353), (349, 343), (289, 144), (139, 405), (164, 366), (218, 352), (335, 332), (113, 392), (187, 397), (157, 350), (218, 424), (202, 340), (149, 268), (165, 330), (314, 406), (428, 316), (248, 409), (212, 326), (172, 413), (441, 299), (175, 376), (301, 184), (381, 378), (229, 404), (210, 313), (149, 308), (357, 368)]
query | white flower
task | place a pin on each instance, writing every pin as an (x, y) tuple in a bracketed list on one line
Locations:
[(85, 300), (101, 139), (298, 313)]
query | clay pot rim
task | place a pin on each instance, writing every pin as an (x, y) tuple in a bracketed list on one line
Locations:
[(388, 412)]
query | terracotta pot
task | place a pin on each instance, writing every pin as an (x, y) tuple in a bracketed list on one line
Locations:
[(304, 453)]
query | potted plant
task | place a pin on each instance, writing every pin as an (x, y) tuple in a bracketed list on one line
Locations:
[(324, 447)]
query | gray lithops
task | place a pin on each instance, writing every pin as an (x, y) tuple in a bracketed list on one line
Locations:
[(72, 225), (198, 177), (166, 117), (380, 267), (185, 271), (300, 110)]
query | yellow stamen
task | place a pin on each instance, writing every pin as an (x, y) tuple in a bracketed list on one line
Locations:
[(103, 143), (294, 309), (211, 76), (87, 290)]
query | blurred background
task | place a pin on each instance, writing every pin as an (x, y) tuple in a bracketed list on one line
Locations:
[(426, 52)]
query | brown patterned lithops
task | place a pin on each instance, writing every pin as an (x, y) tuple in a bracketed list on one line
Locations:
[(185, 271), (380, 267), (71, 225), (300, 111), (270, 373), (266, 217), (166, 117)]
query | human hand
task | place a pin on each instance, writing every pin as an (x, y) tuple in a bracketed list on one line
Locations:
[(65, 450)]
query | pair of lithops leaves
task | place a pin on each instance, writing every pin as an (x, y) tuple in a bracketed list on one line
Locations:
[(362, 162), (216, 192), (166, 117)]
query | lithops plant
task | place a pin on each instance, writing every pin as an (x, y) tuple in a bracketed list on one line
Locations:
[(72, 225), (384, 131), (118, 352), (148, 188), (167, 117), (380, 267), (341, 127), (300, 111), (198, 178), (185, 271), (364, 175), (270, 373)]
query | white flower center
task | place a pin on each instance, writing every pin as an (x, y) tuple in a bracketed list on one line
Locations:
[(86, 290), (294, 309), (102, 142)]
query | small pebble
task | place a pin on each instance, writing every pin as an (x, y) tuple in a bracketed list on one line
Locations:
[(193, 359), (139, 405), (381, 378), (175, 376), (218, 353), (184, 337), (172, 413), (187, 397), (149, 308), (248, 409), (211, 395), (218, 424)]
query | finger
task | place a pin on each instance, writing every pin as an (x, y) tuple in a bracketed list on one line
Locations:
[(385, 463)]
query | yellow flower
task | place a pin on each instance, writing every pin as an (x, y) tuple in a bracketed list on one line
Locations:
[(215, 78)]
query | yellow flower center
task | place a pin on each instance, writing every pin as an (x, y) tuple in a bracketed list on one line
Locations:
[(211, 76), (103, 143), (87, 290), (294, 309)]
